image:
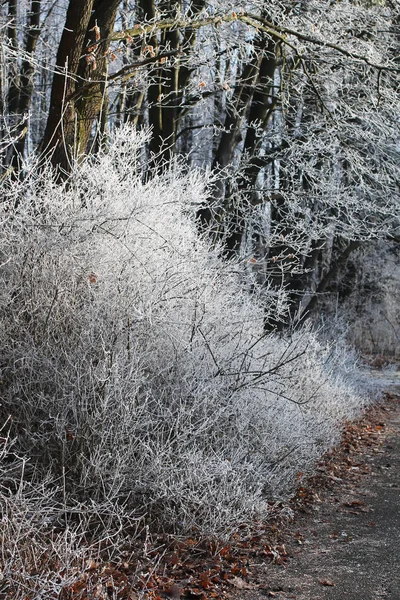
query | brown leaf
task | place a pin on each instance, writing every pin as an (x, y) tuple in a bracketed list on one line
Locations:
[(96, 30), (241, 584), (172, 559), (226, 552), (238, 570), (354, 503), (78, 586), (174, 591), (205, 581), (327, 582)]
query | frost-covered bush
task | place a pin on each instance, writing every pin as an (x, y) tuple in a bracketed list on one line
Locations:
[(44, 546), (134, 363)]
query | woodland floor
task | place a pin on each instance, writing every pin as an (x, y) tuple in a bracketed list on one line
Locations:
[(344, 539), (346, 543), (338, 538)]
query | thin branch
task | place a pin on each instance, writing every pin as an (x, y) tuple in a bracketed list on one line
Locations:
[(257, 22), (219, 372), (125, 72), (274, 29)]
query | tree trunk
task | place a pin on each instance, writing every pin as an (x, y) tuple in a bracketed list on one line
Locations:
[(23, 99), (335, 269), (253, 101), (166, 93), (59, 137), (78, 91), (91, 102)]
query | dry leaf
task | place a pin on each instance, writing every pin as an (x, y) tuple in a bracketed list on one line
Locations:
[(148, 50), (241, 584), (91, 60), (174, 592), (205, 581), (96, 30), (326, 582)]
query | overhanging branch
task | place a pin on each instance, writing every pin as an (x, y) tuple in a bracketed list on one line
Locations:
[(257, 22)]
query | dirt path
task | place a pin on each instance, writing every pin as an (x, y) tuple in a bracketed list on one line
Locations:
[(348, 545)]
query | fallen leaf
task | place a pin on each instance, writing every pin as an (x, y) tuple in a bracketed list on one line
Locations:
[(172, 559), (354, 503), (241, 584), (225, 552), (326, 582), (174, 591), (238, 570), (205, 581)]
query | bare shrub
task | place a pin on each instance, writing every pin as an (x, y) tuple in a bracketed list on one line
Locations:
[(134, 363), (49, 548)]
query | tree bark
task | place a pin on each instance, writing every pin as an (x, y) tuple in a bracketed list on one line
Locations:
[(59, 136), (82, 55), (166, 93), (23, 98), (253, 102), (14, 84)]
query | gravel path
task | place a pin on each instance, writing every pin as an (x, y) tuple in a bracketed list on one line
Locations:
[(348, 546)]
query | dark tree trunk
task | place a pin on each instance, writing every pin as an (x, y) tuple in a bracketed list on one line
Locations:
[(337, 266), (166, 93), (14, 84), (91, 101), (59, 140), (254, 101), (76, 102)]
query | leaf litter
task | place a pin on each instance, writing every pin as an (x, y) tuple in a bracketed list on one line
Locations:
[(198, 569)]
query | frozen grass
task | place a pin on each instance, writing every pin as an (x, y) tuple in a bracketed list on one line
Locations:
[(135, 370)]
